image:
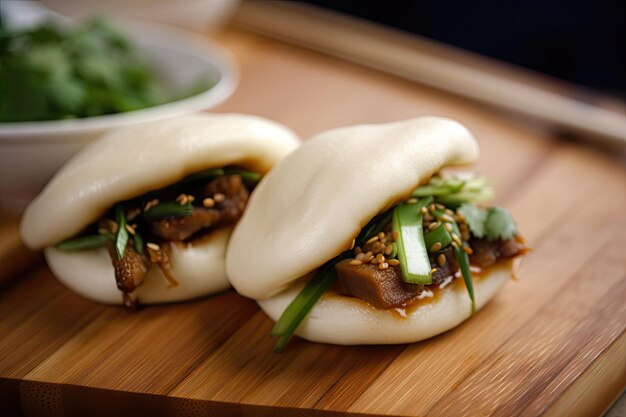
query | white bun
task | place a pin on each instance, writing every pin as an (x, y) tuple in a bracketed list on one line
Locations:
[(316, 200), (198, 267), (130, 161), (346, 320)]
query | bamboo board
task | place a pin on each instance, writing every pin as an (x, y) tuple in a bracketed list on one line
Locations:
[(553, 343)]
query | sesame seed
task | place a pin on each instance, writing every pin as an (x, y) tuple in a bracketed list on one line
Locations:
[(373, 261), (219, 197), (449, 212), (208, 202), (411, 200), (441, 259), (355, 262), (368, 258), (432, 207), (433, 226), (393, 262), (153, 246), (435, 247), (446, 218), (457, 239), (130, 229), (381, 235), (396, 235), (440, 206), (424, 210), (371, 240), (432, 271), (383, 265), (388, 249), (449, 227), (380, 257), (454, 244), (150, 204), (468, 250), (360, 256)]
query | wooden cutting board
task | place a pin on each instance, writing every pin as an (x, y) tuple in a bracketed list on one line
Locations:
[(552, 343)]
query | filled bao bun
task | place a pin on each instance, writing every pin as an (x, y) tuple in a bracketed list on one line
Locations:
[(129, 162), (315, 202)]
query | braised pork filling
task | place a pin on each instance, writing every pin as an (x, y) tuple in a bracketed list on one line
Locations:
[(137, 232), (413, 249)]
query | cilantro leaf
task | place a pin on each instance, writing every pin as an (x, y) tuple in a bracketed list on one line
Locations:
[(500, 224), (476, 217)]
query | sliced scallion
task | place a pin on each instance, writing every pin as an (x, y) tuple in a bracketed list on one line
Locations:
[(412, 253), (121, 239), (86, 242), (163, 210), (463, 260), (440, 235), (247, 176), (138, 243), (304, 301), (435, 188)]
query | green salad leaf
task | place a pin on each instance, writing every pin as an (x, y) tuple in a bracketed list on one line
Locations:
[(475, 217)]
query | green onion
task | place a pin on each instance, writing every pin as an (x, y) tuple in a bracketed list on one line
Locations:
[(122, 234), (206, 174), (138, 240), (163, 210), (440, 235), (85, 242), (436, 188), (304, 301), (412, 254), (463, 261), (247, 176)]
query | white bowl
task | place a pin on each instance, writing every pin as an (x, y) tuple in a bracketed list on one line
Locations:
[(31, 152)]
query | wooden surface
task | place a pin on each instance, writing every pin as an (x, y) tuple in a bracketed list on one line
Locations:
[(553, 343)]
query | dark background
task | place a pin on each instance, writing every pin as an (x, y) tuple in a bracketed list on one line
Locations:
[(583, 42)]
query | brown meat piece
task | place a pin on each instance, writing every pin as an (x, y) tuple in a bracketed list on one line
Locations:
[(381, 288), (131, 270), (224, 212), (487, 253)]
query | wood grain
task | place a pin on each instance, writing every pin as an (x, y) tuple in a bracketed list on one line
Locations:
[(553, 343)]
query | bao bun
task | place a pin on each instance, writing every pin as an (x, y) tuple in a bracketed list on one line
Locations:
[(128, 162), (315, 202)]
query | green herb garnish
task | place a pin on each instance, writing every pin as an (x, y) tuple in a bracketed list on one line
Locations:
[(54, 72), (164, 210), (493, 223), (475, 218), (86, 242), (121, 238), (304, 302), (500, 224), (412, 253), (453, 192)]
